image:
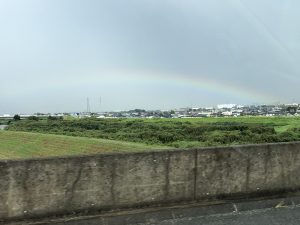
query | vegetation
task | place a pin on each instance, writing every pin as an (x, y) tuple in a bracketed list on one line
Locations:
[(179, 133), (4, 121), (17, 117), (14, 145)]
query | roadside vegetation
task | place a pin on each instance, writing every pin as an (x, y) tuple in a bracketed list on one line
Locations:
[(178, 133)]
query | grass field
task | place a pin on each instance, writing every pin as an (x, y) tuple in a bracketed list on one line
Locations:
[(17, 145), (91, 135), (280, 123)]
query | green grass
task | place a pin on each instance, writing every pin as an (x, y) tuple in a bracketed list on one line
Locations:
[(280, 123), (20, 145), (174, 133)]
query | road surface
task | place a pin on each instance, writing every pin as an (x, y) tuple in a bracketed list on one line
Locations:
[(273, 216)]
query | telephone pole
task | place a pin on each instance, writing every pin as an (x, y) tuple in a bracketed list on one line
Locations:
[(88, 108), (100, 101)]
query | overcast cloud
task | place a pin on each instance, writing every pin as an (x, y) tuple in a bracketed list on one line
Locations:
[(56, 53)]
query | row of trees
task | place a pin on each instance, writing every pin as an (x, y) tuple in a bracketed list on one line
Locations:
[(36, 118)]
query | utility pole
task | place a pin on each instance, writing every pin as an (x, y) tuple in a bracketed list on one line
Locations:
[(88, 109), (100, 101)]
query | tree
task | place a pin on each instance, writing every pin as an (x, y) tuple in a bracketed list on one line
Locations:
[(292, 109), (17, 117)]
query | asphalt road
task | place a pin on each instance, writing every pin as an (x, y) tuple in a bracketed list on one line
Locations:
[(273, 216), (278, 211)]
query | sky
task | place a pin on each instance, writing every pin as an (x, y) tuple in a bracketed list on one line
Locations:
[(150, 54)]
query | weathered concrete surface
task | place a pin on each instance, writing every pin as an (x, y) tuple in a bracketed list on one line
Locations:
[(58, 186), (65, 185), (248, 170)]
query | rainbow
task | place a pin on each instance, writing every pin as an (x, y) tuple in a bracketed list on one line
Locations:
[(204, 83)]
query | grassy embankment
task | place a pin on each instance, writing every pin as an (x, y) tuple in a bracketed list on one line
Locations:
[(19, 145), (179, 133)]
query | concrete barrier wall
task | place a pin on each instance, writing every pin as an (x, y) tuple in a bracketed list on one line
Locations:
[(45, 187), (248, 170)]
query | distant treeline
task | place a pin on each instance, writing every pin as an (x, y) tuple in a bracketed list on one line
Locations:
[(181, 134)]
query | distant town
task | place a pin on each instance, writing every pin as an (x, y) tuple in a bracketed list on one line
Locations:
[(224, 110)]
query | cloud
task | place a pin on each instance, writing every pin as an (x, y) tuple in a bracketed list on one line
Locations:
[(131, 48)]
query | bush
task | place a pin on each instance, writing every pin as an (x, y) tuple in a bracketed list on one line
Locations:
[(17, 117), (33, 118)]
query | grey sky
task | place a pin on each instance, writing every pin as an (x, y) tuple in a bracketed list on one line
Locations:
[(147, 53)]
